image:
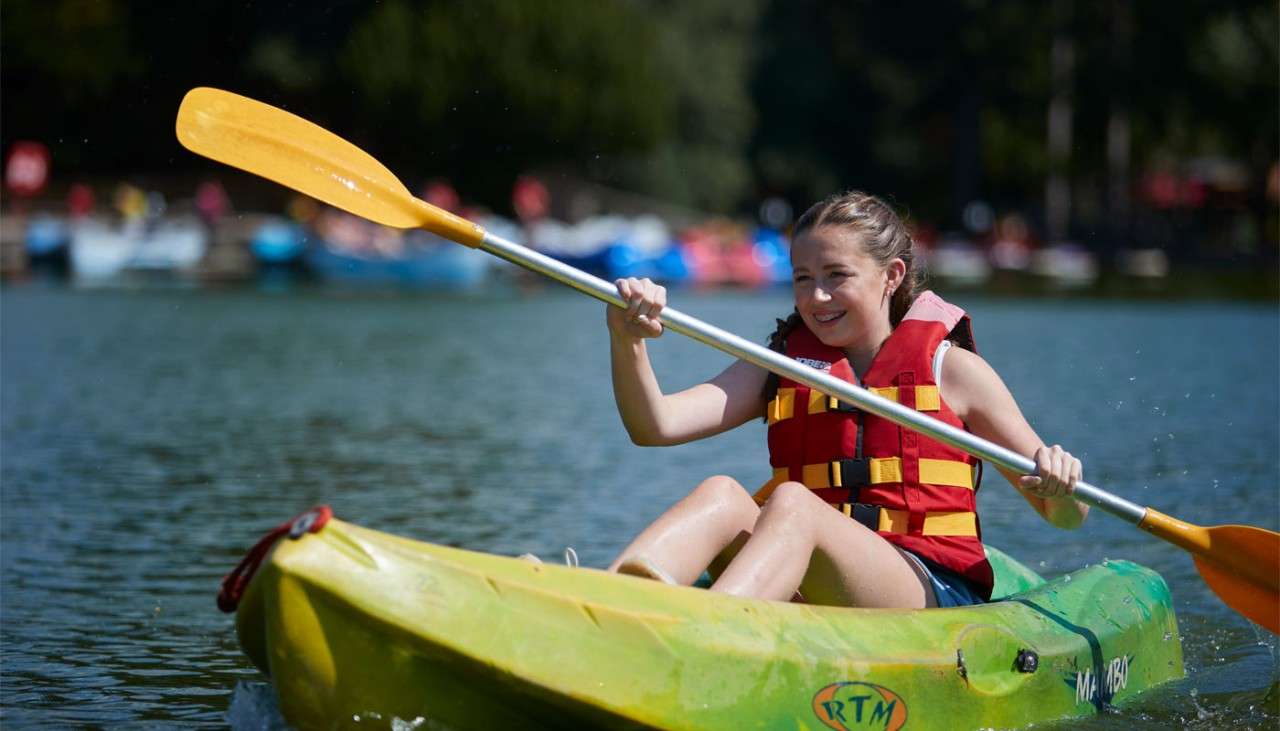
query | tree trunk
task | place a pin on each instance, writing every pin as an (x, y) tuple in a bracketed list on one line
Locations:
[(1057, 194)]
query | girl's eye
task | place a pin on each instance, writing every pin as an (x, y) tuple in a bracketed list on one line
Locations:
[(801, 278)]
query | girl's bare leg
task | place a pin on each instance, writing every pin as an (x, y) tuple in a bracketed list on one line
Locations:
[(800, 542), (685, 539)]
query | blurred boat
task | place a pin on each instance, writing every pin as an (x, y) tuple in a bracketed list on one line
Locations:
[(101, 252), (728, 255), (614, 247), (1144, 263), (46, 242), (1065, 265), (423, 260), (343, 249), (959, 261), (278, 243)]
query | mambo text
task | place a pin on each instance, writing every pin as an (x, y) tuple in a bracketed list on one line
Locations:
[(1115, 677)]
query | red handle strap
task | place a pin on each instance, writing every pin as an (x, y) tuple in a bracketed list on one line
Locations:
[(235, 583)]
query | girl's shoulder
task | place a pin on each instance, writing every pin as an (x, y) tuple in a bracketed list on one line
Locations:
[(968, 380)]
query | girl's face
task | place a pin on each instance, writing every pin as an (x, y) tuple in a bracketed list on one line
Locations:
[(840, 291)]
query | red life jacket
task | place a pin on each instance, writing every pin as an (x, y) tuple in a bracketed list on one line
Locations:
[(916, 492)]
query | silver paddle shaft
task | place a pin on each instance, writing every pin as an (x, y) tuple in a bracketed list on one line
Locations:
[(811, 377)]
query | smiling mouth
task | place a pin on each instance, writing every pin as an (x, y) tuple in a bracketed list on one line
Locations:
[(828, 316)]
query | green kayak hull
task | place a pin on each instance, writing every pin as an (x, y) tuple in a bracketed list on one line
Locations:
[(354, 626)]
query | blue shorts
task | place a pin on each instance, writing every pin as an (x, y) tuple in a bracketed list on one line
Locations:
[(949, 588)]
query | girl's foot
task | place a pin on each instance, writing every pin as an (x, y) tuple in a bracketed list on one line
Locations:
[(643, 567)]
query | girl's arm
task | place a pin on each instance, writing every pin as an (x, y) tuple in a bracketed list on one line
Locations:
[(651, 417), (980, 398)]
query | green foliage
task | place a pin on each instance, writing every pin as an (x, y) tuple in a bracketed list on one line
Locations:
[(490, 88), (704, 49), (707, 103), (84, 46)]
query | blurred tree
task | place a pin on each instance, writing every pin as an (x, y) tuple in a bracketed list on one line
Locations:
[(919, 106), (704, 50), (709, 103), (481, 91), (935, 104), (62, 57), (83, 46)]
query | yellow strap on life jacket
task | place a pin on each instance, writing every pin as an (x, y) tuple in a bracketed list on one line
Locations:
[(927, 398), (939, 523), (784, 404), (951, 473)]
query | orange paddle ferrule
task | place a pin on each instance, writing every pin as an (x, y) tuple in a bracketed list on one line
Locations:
[(1184, 535), (445, 224)]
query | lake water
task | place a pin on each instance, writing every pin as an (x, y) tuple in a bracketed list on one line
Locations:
[(149, 437)]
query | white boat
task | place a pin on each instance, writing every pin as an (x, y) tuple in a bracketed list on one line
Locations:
[(101, 252)]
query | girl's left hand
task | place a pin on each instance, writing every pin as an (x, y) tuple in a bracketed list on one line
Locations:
[(1057, 473)]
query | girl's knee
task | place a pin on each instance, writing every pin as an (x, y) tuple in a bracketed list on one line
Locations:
[(791, 496), (723, 489), (792, 502)]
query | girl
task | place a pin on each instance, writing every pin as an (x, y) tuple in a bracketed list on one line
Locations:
[(860, 512)]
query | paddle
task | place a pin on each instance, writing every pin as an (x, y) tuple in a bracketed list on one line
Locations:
[(1240, 563)]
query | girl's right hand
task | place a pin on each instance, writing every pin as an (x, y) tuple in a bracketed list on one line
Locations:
[(641, 317)]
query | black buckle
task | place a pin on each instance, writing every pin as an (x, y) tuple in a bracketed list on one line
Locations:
[(855, 472), (868, 515), (840, 406)]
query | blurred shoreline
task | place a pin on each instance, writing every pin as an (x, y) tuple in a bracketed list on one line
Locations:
[(227, 261)]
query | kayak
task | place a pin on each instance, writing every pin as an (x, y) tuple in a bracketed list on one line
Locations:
[(351, 625)]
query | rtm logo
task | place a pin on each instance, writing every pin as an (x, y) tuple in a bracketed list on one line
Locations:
[(1115, 678), (852, 705)]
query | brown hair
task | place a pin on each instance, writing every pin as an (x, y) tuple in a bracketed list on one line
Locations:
[(884, 237)]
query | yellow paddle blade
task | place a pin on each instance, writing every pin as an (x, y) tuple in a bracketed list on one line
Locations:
[(289, 150), (1253, 592), (1240, 563), (1242, 595)]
